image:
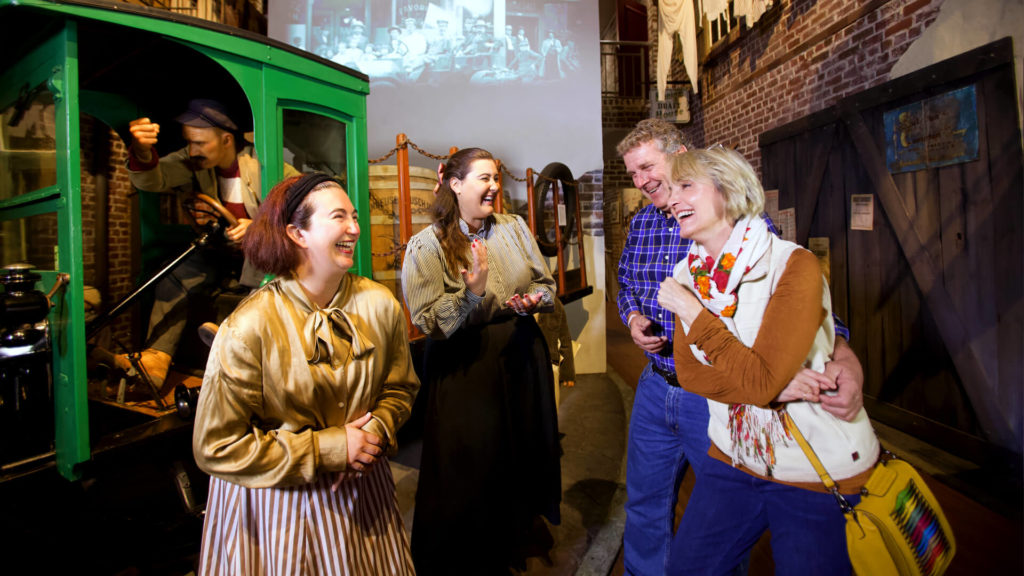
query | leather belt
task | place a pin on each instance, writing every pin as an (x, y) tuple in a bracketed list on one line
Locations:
[(669, 377)]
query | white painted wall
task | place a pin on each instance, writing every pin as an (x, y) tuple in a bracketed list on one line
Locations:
[(963, 25), (587, 318)]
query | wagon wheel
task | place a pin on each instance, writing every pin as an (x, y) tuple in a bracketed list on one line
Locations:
[(545, 236)]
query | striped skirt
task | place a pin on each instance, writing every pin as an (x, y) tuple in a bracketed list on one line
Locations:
[(305, 530)]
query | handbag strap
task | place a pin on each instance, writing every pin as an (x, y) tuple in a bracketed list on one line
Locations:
[(823, 474)]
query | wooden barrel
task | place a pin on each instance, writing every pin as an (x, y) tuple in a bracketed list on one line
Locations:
[(385, 230)]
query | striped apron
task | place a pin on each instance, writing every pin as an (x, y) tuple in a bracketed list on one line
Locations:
[(307, 529)]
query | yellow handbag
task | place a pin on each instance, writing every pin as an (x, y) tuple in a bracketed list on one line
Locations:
[(898, 527)]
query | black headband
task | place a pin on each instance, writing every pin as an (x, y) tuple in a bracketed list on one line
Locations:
[(302, 187)]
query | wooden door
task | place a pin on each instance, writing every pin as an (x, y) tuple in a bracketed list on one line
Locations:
[(934, 293), (632, 59)]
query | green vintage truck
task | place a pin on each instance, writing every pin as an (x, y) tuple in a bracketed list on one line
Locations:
[(73, 74)]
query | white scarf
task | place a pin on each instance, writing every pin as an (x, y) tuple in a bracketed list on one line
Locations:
[(715, 280), (754, 431)]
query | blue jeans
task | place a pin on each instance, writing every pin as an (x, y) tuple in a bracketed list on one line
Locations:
[(730, 509), (668, 428)]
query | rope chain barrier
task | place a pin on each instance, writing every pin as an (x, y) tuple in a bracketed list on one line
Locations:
[(425, 153), (511, 175), (393, 253), (385, 157)]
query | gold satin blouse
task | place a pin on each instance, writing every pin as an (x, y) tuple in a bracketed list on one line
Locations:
[(284, 376)]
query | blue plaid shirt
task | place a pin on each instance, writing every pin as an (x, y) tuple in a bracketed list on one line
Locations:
[(653, 247)]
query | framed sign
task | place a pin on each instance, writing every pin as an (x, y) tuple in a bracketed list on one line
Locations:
[(939, 131), (862, 212), (674, 108)]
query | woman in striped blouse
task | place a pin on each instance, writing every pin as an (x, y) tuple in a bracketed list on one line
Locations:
[(307, 383), (490, 449)]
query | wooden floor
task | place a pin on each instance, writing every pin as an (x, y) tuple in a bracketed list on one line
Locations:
[(988, 541)]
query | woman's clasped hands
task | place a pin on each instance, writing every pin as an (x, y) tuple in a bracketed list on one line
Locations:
[(364, 449), (806, 386), (679, 300)]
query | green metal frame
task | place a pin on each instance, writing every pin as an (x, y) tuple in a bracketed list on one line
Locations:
[(272, 77), (55, 62), (356, 161)]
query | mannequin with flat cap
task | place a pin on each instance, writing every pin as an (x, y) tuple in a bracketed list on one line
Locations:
[(217, 162)]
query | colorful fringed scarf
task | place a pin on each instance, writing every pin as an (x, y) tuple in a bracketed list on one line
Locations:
[(754, 431)]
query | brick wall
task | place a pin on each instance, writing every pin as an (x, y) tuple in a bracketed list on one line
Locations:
[(618, 117), (119, 217), (802, 57), (591, 194)]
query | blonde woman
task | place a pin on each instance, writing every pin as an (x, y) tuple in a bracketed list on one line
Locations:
[(753, 312)]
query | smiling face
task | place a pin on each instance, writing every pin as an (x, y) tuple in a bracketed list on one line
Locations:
[(649, 168), (476, 192), (328, 243), (700, 210)]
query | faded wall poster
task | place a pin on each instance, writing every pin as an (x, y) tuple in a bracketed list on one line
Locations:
[(939, 131)]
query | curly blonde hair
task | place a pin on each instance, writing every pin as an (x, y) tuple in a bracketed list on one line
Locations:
[(663, 133)]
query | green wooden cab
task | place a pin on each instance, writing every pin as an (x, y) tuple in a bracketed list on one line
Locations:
[(64, 62)]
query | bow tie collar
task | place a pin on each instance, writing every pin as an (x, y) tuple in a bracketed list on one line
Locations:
[(332, 337)]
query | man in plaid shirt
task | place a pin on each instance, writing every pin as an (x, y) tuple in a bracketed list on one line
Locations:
[(668, 426)]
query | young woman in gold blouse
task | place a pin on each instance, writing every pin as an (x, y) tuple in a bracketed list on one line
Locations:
[(307, 383)]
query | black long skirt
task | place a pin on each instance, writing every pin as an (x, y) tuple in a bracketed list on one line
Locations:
[(490, 448)]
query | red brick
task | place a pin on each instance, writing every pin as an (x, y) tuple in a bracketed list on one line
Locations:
[(915, 6), (898, 26)]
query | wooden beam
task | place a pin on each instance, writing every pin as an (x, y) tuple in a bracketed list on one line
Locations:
[(980, 389), (808, 201)]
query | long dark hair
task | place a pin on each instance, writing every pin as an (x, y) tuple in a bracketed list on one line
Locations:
[(445, 209)]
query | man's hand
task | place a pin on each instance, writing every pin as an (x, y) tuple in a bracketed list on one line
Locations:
[(237, 232), (845, 370), (640, 330), (144, 137)]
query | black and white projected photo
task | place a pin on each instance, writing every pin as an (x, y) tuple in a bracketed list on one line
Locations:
[(403, 42), (519, 78)]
